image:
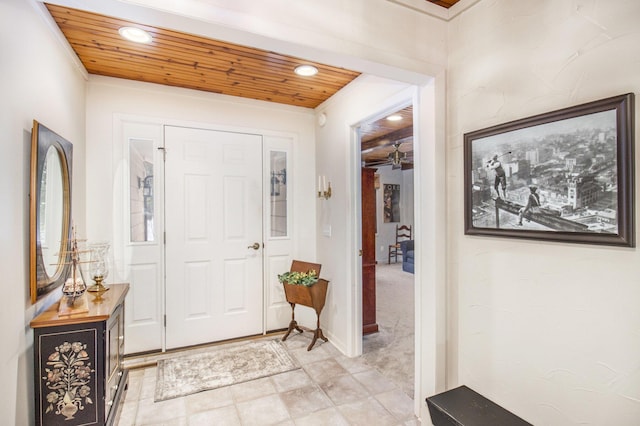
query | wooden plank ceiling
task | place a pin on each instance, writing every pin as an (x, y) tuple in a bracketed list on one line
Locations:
[(183, 60), (379, 137), (444, 3), (178, 59)]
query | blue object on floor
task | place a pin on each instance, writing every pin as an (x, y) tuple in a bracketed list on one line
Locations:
[(407, 256)]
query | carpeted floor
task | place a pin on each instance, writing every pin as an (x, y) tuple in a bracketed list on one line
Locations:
[(392, 349)]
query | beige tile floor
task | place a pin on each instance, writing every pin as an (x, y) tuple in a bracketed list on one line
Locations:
[(329, 389)]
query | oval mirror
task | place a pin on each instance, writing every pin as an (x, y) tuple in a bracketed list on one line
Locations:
[(50, 212)]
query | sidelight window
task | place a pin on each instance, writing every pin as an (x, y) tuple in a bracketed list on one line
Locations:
[(141, 190), (278, 192)]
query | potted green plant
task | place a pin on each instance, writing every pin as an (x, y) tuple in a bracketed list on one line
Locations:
[(306, 279)]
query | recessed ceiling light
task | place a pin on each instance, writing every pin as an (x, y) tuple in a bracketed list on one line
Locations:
[(306, 70), (394, 117), (135, 34)]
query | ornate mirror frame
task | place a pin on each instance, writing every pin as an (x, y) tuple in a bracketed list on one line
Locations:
[(49, 260)]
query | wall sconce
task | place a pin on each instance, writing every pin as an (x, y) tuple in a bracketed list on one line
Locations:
[(324, 190)]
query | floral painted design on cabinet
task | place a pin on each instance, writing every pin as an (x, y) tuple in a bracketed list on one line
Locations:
[(67, 379)]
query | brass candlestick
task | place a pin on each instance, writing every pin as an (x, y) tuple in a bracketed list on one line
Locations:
[(98, 286)]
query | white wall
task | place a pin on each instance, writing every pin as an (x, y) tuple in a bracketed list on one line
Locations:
[(108, 97), (408, 205), (361, 99), (338, 154), (387, 231), (358, 34), (548, 330), (37, 81)]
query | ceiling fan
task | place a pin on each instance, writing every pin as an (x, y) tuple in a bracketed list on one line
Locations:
[(396, 157)]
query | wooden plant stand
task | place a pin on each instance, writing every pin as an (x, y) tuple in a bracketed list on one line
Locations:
[(313, 297)]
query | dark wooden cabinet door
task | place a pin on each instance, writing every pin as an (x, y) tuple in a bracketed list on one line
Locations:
[(78, 372), (369, 324), (69, 387)]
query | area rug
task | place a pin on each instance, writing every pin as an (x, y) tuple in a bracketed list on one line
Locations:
[(221, 366)]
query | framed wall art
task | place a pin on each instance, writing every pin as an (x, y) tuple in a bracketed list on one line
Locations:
[(391, 196), (566, 175)]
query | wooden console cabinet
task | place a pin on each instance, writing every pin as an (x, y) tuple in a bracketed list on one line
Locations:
[(79, 378)]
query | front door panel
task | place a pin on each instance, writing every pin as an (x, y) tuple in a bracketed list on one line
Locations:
[(213, 192)]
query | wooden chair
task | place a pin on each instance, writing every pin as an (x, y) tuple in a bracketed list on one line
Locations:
[(402, 233)]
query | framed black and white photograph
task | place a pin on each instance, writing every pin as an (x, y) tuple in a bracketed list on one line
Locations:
[(565, 175)]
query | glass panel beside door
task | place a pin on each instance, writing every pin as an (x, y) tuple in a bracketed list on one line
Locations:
[(278, 199), (141, 190)]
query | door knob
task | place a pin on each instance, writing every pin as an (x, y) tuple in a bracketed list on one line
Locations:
[(255, 246)]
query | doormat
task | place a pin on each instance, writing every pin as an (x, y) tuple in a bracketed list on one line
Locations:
[(220, 366)]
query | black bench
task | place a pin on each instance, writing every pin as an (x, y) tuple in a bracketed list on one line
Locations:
[(463, 406)]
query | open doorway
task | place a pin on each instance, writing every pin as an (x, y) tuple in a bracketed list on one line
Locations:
[(388, 285)]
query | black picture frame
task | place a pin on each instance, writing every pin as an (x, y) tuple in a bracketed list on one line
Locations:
[(580, 162)]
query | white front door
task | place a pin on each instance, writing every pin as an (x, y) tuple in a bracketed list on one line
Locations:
[(213, 205)]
